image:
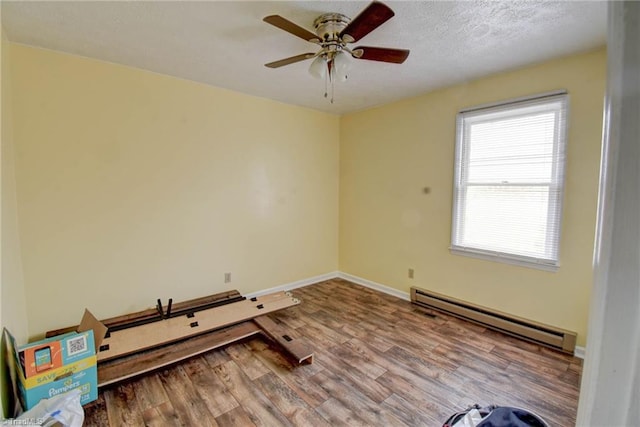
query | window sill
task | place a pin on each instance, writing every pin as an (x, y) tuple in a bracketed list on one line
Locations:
[(505, 259)]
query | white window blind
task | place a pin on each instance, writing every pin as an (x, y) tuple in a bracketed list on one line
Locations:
[(509, 178)]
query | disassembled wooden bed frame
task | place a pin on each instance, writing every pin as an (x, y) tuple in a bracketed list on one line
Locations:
[(141, 342)]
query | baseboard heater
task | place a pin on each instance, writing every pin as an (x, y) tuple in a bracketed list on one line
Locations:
[(559, 339)]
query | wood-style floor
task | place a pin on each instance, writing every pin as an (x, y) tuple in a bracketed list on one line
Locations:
[(379, 361)]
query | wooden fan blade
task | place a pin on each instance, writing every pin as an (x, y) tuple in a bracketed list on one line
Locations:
[(383, 54), (290, 27), (291, 60), (369, 19)]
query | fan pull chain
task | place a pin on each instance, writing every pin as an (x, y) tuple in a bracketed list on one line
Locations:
[(332, 84), (332, 77), (326, 77)]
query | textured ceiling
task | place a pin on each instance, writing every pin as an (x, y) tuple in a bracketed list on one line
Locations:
[(225, 44)]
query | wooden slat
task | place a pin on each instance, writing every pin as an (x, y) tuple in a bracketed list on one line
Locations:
[(237, 417), (203, 301), (290, 404), (160, 416), (257, 406), (96, 411), (122, 406), (149, 392), (127, 341), (296, 348), (300, 384), (152, 313), (250, 364), (185, 398), (209, 386), (117, 370)]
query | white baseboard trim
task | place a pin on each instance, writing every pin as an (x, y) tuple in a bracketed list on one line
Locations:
[(579, 352), (376, 286), (333, 275), (297, 284)]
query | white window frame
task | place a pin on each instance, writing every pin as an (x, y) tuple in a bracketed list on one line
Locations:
[(551, 263)]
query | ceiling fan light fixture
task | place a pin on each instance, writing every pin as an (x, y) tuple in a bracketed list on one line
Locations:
[(318, 67), (341, 66)]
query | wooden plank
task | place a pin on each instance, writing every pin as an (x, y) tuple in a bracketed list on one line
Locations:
[(296, 348), (96, 411), (216, 358), (344, 392), (117, 370), (203, 301), (128, 341), (189, 408), (367, 386), (411, 415), (122, 406), (209, 386), (271, 297), (424, 377), (236, 417), (413, 393), (338, 414), (300, 383), (152, 313), (160, 416), (247, 361), (149, 392), (257, 406), (288, 402)]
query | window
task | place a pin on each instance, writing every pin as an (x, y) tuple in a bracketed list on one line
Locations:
[(509, 177)]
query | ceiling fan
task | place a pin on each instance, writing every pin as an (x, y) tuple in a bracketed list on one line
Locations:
[(334, 31)]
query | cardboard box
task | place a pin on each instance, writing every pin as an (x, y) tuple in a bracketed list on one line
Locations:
[(55, 365), (54, 353)]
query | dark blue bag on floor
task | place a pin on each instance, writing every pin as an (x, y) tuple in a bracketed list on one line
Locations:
[(499, 416)]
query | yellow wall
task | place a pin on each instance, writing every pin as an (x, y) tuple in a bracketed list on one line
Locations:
[(388, 224), (13, 313), (134, 186)]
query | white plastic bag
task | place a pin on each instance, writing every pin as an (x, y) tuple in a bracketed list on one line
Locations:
[(471, 419), (64, 408)]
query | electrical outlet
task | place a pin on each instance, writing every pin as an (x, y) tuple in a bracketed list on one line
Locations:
[(227, 277), (411, 273)]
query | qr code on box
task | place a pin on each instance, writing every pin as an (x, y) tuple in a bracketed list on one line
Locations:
[(77, 345)]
